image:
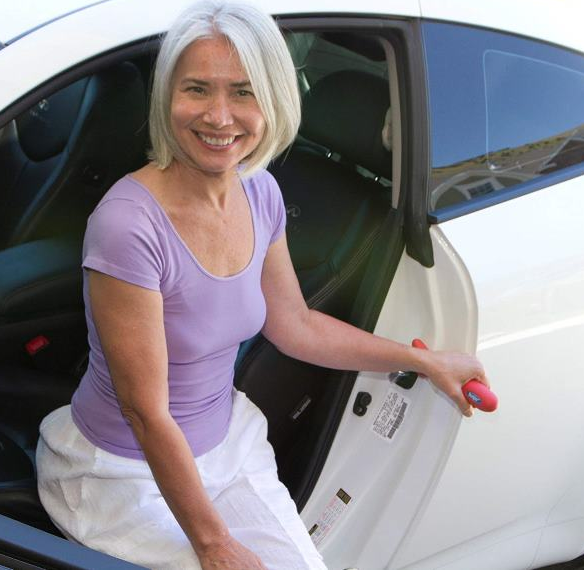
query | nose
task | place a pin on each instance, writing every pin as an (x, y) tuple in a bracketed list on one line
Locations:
[(218, 112)]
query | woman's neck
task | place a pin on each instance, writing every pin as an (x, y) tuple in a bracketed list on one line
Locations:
[(213, 189)]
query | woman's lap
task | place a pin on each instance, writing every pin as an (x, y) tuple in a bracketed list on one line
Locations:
[(112, 503)]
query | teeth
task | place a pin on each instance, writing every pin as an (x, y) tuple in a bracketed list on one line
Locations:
[(214, 141)]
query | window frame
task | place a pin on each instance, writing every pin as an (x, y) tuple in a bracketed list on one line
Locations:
[(405, 36)]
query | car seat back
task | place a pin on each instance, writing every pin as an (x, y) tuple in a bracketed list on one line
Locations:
[(334, 214), (59, 157)]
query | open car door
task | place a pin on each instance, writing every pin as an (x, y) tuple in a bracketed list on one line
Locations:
[(494, 265)]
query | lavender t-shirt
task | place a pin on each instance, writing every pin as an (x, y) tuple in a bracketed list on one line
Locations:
[(130, 237)]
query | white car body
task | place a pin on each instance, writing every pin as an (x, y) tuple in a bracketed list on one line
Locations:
[(498, 491)]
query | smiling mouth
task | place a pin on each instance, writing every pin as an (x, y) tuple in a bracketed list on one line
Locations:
[(216, 141)]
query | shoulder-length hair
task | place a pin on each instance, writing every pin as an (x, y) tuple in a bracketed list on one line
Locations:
[(266, 60)]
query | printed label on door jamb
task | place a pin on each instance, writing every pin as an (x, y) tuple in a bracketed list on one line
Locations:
[(336, 507), (391, 415)]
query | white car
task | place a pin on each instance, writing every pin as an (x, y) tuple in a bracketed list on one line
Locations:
[(436, 190)]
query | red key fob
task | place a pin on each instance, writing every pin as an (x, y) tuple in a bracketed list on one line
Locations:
[(476, 393)]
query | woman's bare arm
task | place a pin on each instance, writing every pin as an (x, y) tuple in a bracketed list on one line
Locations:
[(129, 321), (317, 338)]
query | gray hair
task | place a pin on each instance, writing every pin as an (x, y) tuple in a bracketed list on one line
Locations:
[(266, 60)]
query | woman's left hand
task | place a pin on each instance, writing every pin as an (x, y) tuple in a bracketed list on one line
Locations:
[(449, 371)]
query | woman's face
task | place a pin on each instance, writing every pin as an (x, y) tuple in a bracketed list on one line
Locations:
[(215, 116)]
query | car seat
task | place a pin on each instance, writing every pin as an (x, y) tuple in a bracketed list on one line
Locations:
[(334, 215), (59, 157)]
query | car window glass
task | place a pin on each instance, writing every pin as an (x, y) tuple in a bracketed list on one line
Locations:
[(318, 55), (521, 91), (504, 110)]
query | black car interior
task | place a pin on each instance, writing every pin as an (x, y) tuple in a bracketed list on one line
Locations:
[(66, 149), (59, 158)]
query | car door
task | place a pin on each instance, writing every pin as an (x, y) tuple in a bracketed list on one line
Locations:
[(494, 264), (506, 200), (394, 438)]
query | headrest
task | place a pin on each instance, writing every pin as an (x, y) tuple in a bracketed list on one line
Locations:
[(43, 130), (345, 112)]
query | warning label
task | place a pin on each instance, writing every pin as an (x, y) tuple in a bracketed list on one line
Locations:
[(391, 415), (336, 507)]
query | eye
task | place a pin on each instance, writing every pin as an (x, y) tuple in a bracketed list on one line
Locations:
[(195, 89), (244, 93)]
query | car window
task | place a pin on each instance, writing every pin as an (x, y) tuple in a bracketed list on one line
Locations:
[(318, 55), (504, 111), (63, 151)]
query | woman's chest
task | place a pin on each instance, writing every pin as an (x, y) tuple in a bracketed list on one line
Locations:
[(205, 315), (222, 243)]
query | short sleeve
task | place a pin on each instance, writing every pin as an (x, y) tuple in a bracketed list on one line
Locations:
[(277, 210), (121, 241)]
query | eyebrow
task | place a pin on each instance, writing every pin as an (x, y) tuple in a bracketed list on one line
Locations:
[(202, 83)]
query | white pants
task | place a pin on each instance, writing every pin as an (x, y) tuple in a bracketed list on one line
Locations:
[(112, 503)]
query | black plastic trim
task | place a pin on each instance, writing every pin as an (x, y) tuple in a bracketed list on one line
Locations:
[(33, 546), (416, 148), (504, 195), (16, 564)]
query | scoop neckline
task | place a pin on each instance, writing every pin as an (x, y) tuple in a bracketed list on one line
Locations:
[(187, 248)]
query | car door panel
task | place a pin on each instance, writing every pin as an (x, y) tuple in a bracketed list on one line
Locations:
[(386, 502), (525, 258)]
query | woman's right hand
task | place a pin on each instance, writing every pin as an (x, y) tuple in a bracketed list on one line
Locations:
[(449, 371), (228, 554)]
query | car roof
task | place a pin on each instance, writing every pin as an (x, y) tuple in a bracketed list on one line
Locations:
[(20, 17), (101, 26), (548, 20)]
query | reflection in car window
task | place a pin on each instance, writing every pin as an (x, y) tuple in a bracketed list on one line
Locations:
[(504, 110)]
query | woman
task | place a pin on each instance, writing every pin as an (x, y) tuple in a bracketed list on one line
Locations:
[(158, 460)]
